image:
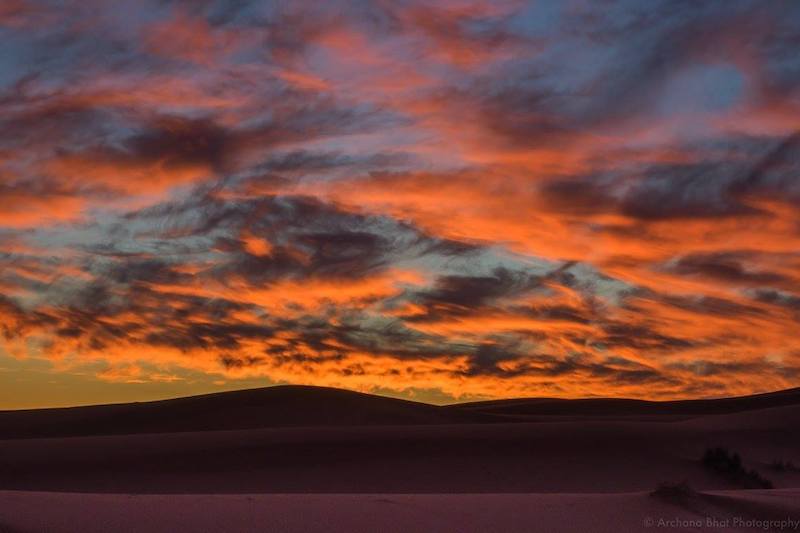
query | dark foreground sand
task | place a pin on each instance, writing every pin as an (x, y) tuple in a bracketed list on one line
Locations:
[(590, 455), (462, 513)]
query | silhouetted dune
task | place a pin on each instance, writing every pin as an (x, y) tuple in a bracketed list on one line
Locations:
[(307, 406), (280, 406), (523, 407)]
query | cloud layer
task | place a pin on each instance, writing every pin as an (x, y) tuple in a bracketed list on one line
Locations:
[(473, 199)]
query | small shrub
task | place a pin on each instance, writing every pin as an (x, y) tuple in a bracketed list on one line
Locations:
[(784, 466), (728, 464), (753, 480), (721, 460)]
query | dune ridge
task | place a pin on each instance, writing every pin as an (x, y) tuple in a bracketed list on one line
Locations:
[(309, 406)]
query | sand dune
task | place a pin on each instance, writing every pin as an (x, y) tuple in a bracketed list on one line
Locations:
[(522, 407), (255, 408), (297, 458), (586, 455), (306, 406)]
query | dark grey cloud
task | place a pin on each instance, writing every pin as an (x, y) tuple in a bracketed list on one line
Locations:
[(705, 368), (488, 358), (642, 337), (308, 237), (704, 189), (455, 295), (783, 299), (727, 267)]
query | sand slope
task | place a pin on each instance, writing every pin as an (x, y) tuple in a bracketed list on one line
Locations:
[(401, 513), (574, 456)]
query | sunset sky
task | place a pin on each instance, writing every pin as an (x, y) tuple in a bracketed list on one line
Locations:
[(441, 201)]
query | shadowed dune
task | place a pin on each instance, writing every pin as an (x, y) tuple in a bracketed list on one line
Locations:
[(281, 406), (307, 406), (525, 407), (301, 439)]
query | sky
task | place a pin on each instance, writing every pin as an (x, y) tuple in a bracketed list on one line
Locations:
[(442, 201)]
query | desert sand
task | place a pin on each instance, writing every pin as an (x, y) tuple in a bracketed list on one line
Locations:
[(401, 513), (310, 459)]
